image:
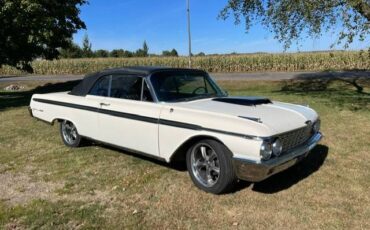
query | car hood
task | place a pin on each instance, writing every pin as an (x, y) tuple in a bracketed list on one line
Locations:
[(277, 116)]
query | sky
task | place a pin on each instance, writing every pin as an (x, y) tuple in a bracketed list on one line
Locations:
[(125, 24)]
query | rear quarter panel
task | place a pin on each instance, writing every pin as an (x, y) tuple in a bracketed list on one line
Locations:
[(85, 121)]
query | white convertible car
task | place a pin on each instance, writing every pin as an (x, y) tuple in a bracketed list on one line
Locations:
[(182, 114)]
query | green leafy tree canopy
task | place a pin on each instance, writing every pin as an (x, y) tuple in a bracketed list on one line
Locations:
[(117, 53), (101, 53), (172, 53), (289, 19), (32, 29), (72, 51)]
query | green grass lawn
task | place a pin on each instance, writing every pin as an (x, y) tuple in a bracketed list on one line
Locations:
[(44, 184)]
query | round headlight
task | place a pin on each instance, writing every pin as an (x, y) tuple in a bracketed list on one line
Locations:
[(266, 150), (277, 147), (316, 126)]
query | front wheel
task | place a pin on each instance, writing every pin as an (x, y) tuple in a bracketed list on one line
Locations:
[(210, 166), (69, 134)]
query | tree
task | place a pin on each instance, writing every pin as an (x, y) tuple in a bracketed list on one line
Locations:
[(144, 52), (201, 54), (128, 54), (36, 28), (145, 49), (117, 53), (290, 19), (72, 51), (86, 47), (101, 53), (172, 53), (140, 53), (166, 53)]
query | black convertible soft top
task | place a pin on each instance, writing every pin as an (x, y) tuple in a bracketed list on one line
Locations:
[(83, 88)]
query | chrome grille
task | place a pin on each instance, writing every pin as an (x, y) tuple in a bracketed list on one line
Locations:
[(296, 137)]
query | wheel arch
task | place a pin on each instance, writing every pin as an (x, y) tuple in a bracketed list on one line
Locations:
[(57, 120), (60, 119), (180, 152)]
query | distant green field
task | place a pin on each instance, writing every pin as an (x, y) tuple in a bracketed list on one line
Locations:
[(315, 61)]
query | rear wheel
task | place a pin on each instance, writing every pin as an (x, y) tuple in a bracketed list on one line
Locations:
[(69, 134), (210, 166)]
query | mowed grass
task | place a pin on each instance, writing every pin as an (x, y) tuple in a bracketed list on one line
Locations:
[(45, 185)]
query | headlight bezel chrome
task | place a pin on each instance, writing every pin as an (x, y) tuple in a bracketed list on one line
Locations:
[(271, 148), (266, 150), (277, 147)]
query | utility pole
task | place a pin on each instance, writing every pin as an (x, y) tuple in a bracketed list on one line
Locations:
[(189, 32)]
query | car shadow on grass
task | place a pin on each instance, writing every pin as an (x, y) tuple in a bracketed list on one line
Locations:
[(274, 184), (13, 99), (295, 174)]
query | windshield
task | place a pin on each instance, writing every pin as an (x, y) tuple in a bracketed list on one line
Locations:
[(175, 86)]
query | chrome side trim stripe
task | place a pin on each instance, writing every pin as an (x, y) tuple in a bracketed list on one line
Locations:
[(70, 105), (98, 110), (231, 133), (180, 124), (128, 116), (143, 118)]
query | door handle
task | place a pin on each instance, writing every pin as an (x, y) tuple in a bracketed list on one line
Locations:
[(104, 104)]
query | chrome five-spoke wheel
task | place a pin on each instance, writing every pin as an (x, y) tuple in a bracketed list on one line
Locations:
[(210, 166), (69, 134), (205, 164)]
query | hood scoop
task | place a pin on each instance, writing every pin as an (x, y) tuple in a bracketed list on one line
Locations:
[(247, 101), (255, 119)]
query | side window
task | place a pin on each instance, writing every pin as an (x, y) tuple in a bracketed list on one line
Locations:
[(101, 87), (126, 87)]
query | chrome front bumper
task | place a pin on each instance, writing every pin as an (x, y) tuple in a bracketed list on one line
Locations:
[(255, 172)]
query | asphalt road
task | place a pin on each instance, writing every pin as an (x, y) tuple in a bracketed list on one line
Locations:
[(266, 76)]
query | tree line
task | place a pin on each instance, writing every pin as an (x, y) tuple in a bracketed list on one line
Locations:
[(85, 51)]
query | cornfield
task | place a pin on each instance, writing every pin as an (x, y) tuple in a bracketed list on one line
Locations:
[(315, 61)]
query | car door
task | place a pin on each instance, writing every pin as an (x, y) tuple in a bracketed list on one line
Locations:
[(128, 117), (90, 118)]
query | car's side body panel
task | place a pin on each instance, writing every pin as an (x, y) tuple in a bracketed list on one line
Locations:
[(180, 124), (131, 124)]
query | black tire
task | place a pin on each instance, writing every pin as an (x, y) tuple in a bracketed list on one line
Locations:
[(69, 134), (204, 174)]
